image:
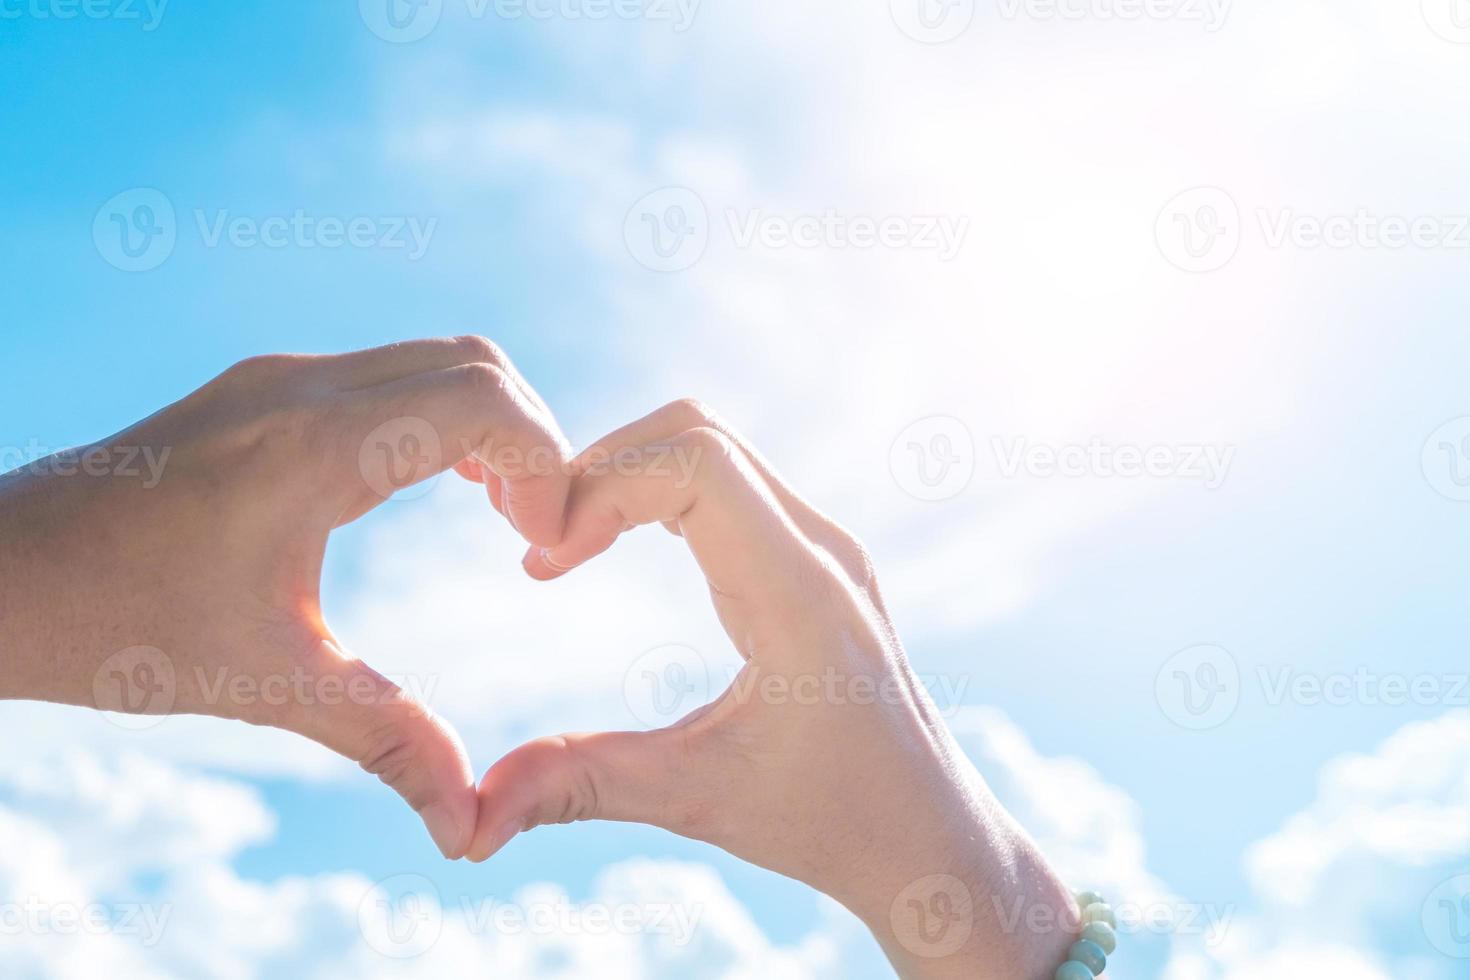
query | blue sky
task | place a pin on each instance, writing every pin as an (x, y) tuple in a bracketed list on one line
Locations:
[(1067, 149)]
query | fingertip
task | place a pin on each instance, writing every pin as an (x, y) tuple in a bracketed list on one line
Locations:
[(451, 823), (495, 490), (541, 566), (536, 508), (496, 841), (470, 469), (496, 823)]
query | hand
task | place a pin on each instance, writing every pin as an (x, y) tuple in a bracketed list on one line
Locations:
[(197, 591), (826, 759)]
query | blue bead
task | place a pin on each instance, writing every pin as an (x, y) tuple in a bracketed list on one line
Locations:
[(1072, 970), (1099, 912), (1089, 954), (1102, 934)]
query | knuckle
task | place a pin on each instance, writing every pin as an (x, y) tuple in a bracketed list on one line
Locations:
[(692, 413), (482, 350), (255, 434), (259, 369), (827, 577), (487, 381), (705, 444), (852, 554), (709, 457), (575, 796), (392, 755)]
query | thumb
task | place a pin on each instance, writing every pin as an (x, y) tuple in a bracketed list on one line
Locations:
[(391, 734), (636, 777)]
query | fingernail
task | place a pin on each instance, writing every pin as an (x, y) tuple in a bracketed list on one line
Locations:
[(538, 564), (446, 828), (503, 836)]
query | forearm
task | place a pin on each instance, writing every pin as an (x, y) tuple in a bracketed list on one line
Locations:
[(973, 900), (46, 636)]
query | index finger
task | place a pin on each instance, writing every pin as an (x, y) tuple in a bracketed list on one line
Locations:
[(472, 410), (746, 544)]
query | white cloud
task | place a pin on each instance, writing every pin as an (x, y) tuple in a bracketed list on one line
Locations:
[(127, 871), (1350, 881), (1406, 805)]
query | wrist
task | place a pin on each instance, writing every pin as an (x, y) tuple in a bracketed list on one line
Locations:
[(968, 897), (33, 619)]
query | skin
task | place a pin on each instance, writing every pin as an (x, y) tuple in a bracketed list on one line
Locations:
[(856, 788), (826, 760), (215, 571)]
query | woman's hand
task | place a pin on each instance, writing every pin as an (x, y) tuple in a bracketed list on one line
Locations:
[(191, 585), (866, 798)]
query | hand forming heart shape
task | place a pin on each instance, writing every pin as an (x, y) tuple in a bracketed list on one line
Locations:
[(825, 760)]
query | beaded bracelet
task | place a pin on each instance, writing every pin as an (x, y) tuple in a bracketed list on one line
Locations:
[(1088, 956)]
